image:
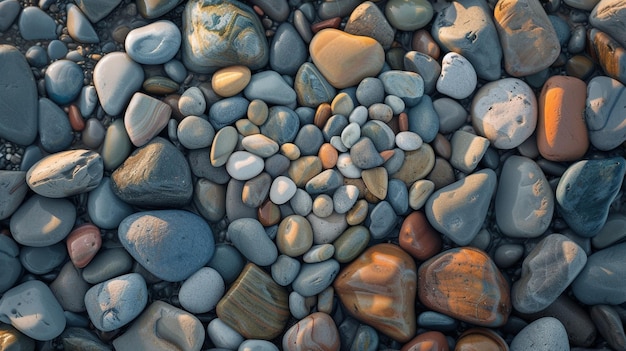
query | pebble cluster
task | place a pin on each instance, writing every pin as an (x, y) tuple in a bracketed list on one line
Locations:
[(312, 175)]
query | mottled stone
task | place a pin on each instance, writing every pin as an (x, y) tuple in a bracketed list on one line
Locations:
[(368, 20), (311, 87), (418, 238), (609, 17), (409, 15), (609, 54), (316, 331), (83, 243), (416, 165)]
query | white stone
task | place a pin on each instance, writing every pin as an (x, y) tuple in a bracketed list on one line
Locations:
[(192, 102), (223, 336), (351, 134), (243, 165), (408, 141), (458, 77), (201, 292), (282, 190)]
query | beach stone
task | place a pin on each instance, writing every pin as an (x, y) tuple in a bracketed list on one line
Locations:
[(285, 270), (586, 191), (243, 165), (162, 326), (282, 190), (327, 229), (418, 238), (164, 182), (257, 345), (282, 124), (20, 305), (452, 281), (287, 51), (384, 272), (105, 209), (601, 280), (70, 288), (546, 272), (237, 38), (419, 192), (609, 325), (311, 88), (145, 118), (409, 86), (505, 112), (35, 24), (42, 260), (607, 16), (223, 336), (11, 338), (452, 115), (76, 338), (369, 91), (342, 104), (294, 236), (230, 81), (155, 8), (361, 57), (364, 154), (481, 47), (459, 209), (255, 306), (346, 166), (192, 102), (195, 132), (255, 190), (525, 51), (314, 278), (368, 20), (611, 233), (586, 5), (609, 54), (431, 340), (276, 10), (427, 68), (9, 9), (79, 27), (153, 44), (382, 220), (201, 292), (235, 207), (108, 264), (603, 111), (57, 50), (322, 205), (317, 331), (416, 165), (467, 150), (309, 140), (544, 334), (83, 243), (561, 105), (345, 197), (270, 87), (171, 244), (224, 143), (458, 77), (13, 189), (424, 120), (116, 302), (116, 78), (64, 81), (42, 221), (227, 111), (10, 259), (524, 200), (227, 261), (351, 243), (249, 237), (116, 146), (408, 15), (18, 93), (96, 10)]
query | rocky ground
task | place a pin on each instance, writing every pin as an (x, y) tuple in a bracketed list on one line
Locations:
[(296, 175)]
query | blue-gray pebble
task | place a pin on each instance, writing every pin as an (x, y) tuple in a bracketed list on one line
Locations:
[(64, 80), (55, 132)]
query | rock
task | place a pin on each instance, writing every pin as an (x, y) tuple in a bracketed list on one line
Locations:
[(409, 86), (270, 87), (285, 270), (162, 327), (361, 57), (505, 112), (42, 221), (63, 81), (224, 336), (9, 9), (287, 50), (108, 264), (155, 8), (96, 10), (424, 120), (546, 272), (55, 131), (561, 105), (201, 292), (524, 200), (409, 15), (236, 38), (586, 191), (116, 146), (13, 189), (384, 272), (607, 16), (416, 165), (10, 260), (432, 340), (83, 243), (314, 278), (153, 44), (32, 309), (145, 118), (609, 53), (116, 302), (485, 339), (195, 132), (255, 306), (230, 81), (70, 288), (603, 110), (282, 190), (79, 27), (249, 237), (116, 78), (105, 209), (171, 244), (368, 20), (316, 331), (42, 260), (454, 280), (18, 95), (418, 238), (364, 154), (601, 280), (351, 243), (294, 236), (544, 334), (311, 88), (224, 143), (282, 125), (243, 165), (529, 42), (227, 261), (35, 24), (165, 180), (481, 46), (609, 325), (13, 339), (78, 338), (427, 67), (458, 77), (467, 150)]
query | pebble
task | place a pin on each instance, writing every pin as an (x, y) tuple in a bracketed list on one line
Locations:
[(116, 146), (418, 238), (287, 51), (18, 93), (314, 332), (319, 253), (153, 44), (108, 264), (162, 326), (524, 200), (610, 326), (309, 140), (195, 132), (116, 78), (145, 118), (243, 165), (525, 51), (368, 20), (32, 309), (155, 8), (485, 339), (257, 345), (55, 132), (416, 165), (235, 208), (409, 15), (282, 125), (467, 150), (602, 278), (311, 88), (270, 87), (70, 288), (285, 270), (427, 68), (603, 111), (96, 10), (42, 221), (430, 340), (10, 9), (362, 57), (35, 24), (379, 289), (13, 339), (230, 81), (458, 77), (116, 302), (505, 112), (419, 192), (224, 143), (57, 50), (369, 91), (249, 237), (611, 233), (223, 336), (236, 39), (351, 243), (452, 281), (42, 260), (610, 55), (382, 220), (544, 334), (255, 306), (201, 292), (255, 190), (451, 114), (83, 243), (79, 338), (36, 56), (398, 196), (187, 237), (79, 27), (314, 278), (10, 259), (585, 192), (301, 203), (344, 198), (409, 86), (546, 272), (607, 16)]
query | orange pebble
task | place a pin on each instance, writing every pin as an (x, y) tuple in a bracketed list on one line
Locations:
[(328, 155)]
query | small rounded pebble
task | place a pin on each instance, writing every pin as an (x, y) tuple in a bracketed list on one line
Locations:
[(201, 292)]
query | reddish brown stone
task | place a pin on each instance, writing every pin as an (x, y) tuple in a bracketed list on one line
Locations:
[(322, 114), (465, 284), (418, 238), (328, 155), (329, 23), (76, 118), (423, 42), (480, 339), (268, 213), (403, 122), (83, 243), (429, 341)]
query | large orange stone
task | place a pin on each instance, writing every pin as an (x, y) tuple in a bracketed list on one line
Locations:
[(464, 283), (378, 288), (561, 130)]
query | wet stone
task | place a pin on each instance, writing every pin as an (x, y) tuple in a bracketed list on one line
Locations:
[(10, 259), (604, 106), (601, 280), (317, 331), (544, 334), (42, 221), (116, 78)]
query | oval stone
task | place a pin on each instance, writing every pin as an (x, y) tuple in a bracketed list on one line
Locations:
[(153, 44), (230, 81), (602, 279), (317, 331), (249, 237), (64, 80), (42, 221), (544, 334), (604, 111), (145, 118), (83, 243)]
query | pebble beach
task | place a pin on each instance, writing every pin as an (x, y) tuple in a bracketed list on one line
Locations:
[(265, 175)]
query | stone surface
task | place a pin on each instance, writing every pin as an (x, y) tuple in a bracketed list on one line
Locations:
[(601, 280), (316, 331), (116, 78), (70, 288), (314, 278), (458, 78), (378, 288), (543, 334), (467, 150), (105, 209), (418, 238), (96, 10), (83, 243), (201, 292), (153, 44), (145, 118), (55, 131), (10, 259), (10, 9), (13, 189), (287, 50), (409, 15), (249, 237), (465, 284), (63, 81), (35, 24), (604, 109), (431, 341), (79, 27), (610, 55), (368, 20), (230, 81), (171, 244), (312, 89), (42, 221), (608, 16)]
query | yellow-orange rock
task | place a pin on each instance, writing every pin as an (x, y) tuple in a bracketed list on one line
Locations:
[(230, 81), (378, 288), (345, 59), (561, 130), (464, 283)]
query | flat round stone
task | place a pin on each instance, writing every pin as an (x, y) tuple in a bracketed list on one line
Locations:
[(544, 334), (153, 44), (230, 81), (243, 165), (42, 221), (195, 132)]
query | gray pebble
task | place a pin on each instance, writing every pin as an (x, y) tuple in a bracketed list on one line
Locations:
[(13, 189), (93, 134), (382, 219), (345, 197), (380, 134), (365, 339), (287, 50), (364, 154), (175, 70), (9, 260), (79, 27), (105, 209), (301, 203), (603, 278), (80, 338), (116, 78), (195, 132), (285, 270), (107, 264), (31, 223), (436, 321), (256, 190), (507, 255), (315, 277), (309, 139), (227, 261), (424, 119), (322, 206), (249, 237), (610, 326), (467, 150), (282, 125), (223, 336), (35, 55), (298, 306), (192, 102), (451, 114), (35, 24), (319, 253), (64, 81), (370, 91), (235, 208), (9, 9), (326, 230), (270, 87), (325, 182), (257, 345), (393, 164), (380, 112), (334, 126), (398, 196), (153, 44), (342, 104), (409, 86), (42, 260), (311, 87), (427, 67), (70, 288), (577, 40), (544, 334), (56, 50)]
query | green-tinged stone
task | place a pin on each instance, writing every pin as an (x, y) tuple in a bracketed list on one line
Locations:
[(255, 306), (160, 85), (117, 145), (351, 243)]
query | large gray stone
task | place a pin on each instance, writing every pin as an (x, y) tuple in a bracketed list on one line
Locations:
[(603, 280), (42, 221)]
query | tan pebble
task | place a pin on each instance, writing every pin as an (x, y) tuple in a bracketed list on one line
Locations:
[(76, 119), (417, 164), (304, 169), (268, 213), (230, 81), (419, 193), (258, 112), (387, 154), (358, 213), (246, 128), (290, 150), (403, 122), (294, 236), (328, 155), (376, 180), (442, 173)]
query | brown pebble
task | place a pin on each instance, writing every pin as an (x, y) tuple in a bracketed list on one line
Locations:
[(609, 54), (423, 42), (328, 155), (329, 23), (258, 10), (418, 237), (76, 119), (403, 122), (322, 114), (172, 101), (579, 66), (268, 213), (442, 173), (83, 243), (428, 341), (442, 147), (159, 85)]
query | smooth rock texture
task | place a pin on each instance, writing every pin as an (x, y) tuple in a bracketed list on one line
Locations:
[(368, 20), (83, 243), (218, 33), (153, 44), (459, 209), (609, 16), (155, 8), (314, 278), (36, 24), (249, 237), (105, 209), (467, 150), (586, 191), (457, 78), (79, 27), (546, 272), (42, 221), (55, 131), (13, 190), (610, 55), (378, 288), (201, 292), (287, 50), (116, 78), (601, 280), (604, 111), (418, 238), (96, 10), (465, 284), (171, 244), (316, 331), (230, 81), (70, 288), (544, 334), (63, 81)]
